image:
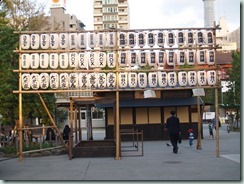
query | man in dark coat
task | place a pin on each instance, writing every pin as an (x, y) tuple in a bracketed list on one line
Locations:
[(173, 128)]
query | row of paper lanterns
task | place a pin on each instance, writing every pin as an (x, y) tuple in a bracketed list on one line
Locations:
[(101, 81), (126, 58), (108, 39)]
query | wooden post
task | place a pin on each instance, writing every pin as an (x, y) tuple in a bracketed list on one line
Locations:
[(217, 122), (199, 137), (71, 129)]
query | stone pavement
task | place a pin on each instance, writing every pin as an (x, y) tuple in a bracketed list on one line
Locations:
[(157, 164)]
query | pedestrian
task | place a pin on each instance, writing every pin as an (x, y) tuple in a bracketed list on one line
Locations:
[(210, 128), (190, 137), (66, 133), (173, 128)]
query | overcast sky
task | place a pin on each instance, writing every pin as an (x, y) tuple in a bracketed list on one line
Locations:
[(146, 14)]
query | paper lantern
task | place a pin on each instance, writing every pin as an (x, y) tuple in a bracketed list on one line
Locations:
[(152, 58), (44, 60), (181, 57), (201, 57), (44, 80), (92, 59), (151, 39), (142, 80), (92, 80), (122, 39), (111, 80), (132, 58), (111, 39), (211, 77), (162, 79), (123, 58), (200, 37), (35, 41), (160, 39), (44, 41), (170, 38), (190, 38), (54, 40), (153, 79), (63, 60), (141, 36), (210, 57), (73, 59), (172, 79), (73, 40), (82, 60), (190, 57), (209, 37), (180, 38), (83, 80), (101, 80), (82, 41), (161, 57), (142, 58), (25, 61), (73, 80), (63, 40), (131, 37), (92, 40), (192, 78), (53, 61), (111, 59), (132, 79), (102, 59), (34, 81), (101, 38), (64, 80), (201, 78), (54, 80), (34, 61), (25, 41), (26, 81), (171, 58), (123, 81), (182, 78)]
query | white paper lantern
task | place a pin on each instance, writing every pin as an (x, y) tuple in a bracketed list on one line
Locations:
[(111, 39), (143, 58), (192, 78), (63, 60), (53, 61), (180, 38), (111, 59), (153, 79), (73, 80), (111, 80), (64, 80), (44, 41), (34, 81), (122, 39), (161, 58), (102, 59), (92, 40), (182, 78), (82, 60), (92, 59), (211, 77), (131, 37), (92, 80), (101, 80), (123, 81), (44, 80), (172, 79), (44, 60), (151, 39), (54, 80), (210, 56), (171, 57), (73, 40), (82, 40), (35, 41), (201, 57), (132, 79), (190, 38), (162, 79), (34, 61), (201, 78), (141, 36), (132, 58), (25, 61), (123, 58), (160, 38), (101, 37), (73, 59), (54, 40), (142, 80), (181, 57), (83, 80), (63, 40), (152, 58), (209, 37), (170, 38), (25, 41), (26, 81), (200, 37), (190, 57)]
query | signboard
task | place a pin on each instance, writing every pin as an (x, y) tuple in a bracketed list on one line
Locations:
[(198, 92), (58, 4)]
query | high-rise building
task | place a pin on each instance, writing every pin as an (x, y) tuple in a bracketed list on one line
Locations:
[(209, 13), (111, 14)]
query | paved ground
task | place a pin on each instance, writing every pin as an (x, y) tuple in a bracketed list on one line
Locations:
[(157, 164)]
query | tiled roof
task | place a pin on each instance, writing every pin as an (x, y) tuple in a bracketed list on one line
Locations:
[(223, 58)]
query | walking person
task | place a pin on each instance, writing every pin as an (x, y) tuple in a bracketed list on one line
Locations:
[(210, 128), (190, 137), (173, 128)]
